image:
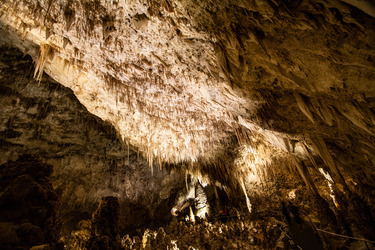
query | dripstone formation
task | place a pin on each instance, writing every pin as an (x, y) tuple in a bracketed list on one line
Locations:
[(254, 114)]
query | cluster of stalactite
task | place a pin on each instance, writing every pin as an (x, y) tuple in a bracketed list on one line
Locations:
[(242, 93)]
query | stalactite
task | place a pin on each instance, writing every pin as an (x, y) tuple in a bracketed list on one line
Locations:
[(309, 155), (218, 93), (321, 147), (248, 203), (44, 53), (304, 172), (304, 107)]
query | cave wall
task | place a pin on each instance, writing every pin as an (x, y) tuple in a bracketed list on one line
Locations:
[(311, 66), (28, 205), (113, 56), (44, 121), (179, 84), (234, 90)]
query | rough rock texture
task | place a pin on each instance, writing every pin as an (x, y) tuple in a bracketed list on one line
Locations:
[(245, 93), (102, 231), (235, 233), (48, 123), (27, 205), (124, 61), (180, 79), (104, 223)]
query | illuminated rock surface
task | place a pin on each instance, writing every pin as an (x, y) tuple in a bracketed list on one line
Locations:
[(265, 100)]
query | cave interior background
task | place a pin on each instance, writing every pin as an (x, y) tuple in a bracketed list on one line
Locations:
[(115, 115)]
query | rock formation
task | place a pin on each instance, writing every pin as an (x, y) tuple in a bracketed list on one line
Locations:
[(260, 101), (27, 205)]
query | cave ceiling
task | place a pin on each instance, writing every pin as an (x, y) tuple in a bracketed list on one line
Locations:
[(189, 81)]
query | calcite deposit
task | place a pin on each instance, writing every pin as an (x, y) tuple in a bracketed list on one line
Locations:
[(263, 100)]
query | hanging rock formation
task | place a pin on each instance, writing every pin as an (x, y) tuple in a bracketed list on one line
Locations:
[(86, 158), (265, 99)]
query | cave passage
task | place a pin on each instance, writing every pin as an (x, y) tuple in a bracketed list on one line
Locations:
[(166, 124)]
